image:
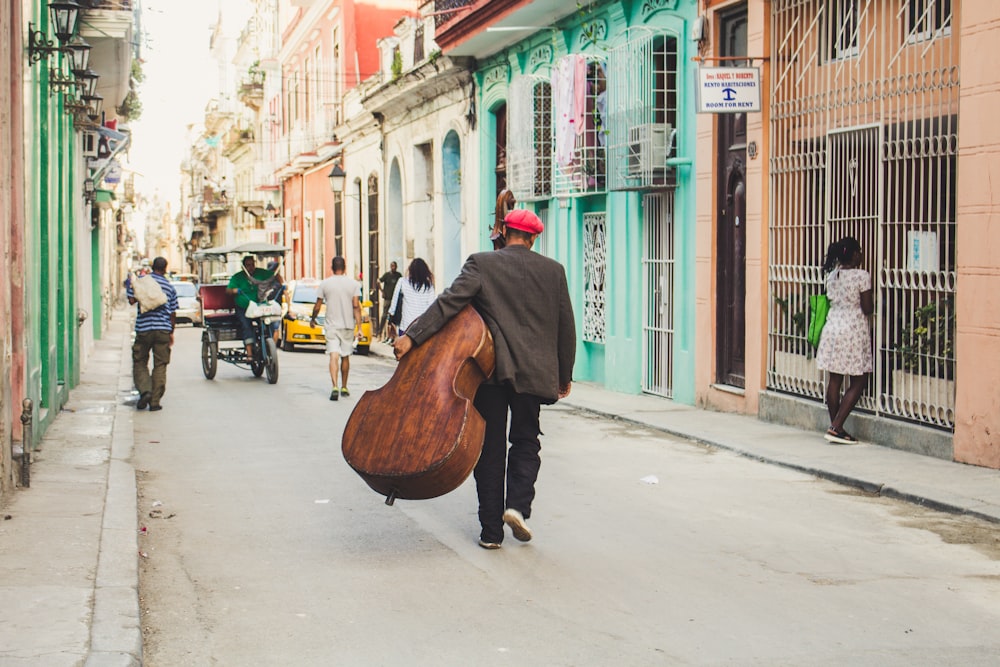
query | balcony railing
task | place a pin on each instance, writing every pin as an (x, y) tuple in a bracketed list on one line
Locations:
[(124, 5), (445, 10)]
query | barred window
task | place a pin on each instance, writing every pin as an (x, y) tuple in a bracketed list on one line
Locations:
[(840, 30), (580, 134), (926, 19), (529, 141), (643, 82)]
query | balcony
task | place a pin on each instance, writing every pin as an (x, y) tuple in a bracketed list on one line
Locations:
[(108, 26), (251, 91), (462, 24), (113, 5), (235, 141)]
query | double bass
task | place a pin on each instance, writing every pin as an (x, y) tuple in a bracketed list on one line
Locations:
[(419, 436)]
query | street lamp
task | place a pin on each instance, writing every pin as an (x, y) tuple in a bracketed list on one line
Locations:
[(86, 81), (79, 52), (94, 104), (338, 179), (64, 15)]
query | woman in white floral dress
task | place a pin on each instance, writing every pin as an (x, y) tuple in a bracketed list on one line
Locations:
[(845, 347)]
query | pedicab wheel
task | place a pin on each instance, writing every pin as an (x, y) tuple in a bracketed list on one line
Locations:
[(257, 367), (272, 361), (209, 358)]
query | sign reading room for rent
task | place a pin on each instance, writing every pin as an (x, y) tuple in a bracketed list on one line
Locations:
[(728, 89)]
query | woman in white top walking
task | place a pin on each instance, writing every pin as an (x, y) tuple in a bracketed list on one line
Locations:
[(417, 292)]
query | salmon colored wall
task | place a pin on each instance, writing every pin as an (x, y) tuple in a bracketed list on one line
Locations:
[(15, 251), (292, 197), (977, 401), (371, 23), (707, 394)]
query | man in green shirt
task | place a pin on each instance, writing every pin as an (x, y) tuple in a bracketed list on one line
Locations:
[(244, 285)]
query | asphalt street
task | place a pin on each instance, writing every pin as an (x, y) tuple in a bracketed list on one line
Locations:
[(661, 538)]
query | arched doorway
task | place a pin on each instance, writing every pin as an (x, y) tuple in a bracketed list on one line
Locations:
[(451, 214)]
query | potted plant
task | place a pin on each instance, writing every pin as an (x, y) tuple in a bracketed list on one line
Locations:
[(925, 354)]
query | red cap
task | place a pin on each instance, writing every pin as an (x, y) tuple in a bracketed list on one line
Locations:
[(525, 220)]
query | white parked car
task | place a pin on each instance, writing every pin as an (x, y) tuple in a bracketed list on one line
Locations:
[(188, 305)]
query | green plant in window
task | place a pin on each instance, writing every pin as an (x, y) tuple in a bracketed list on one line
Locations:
[(927, 340), (793, 324)]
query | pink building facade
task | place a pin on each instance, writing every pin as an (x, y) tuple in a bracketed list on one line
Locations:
[(874, 123)]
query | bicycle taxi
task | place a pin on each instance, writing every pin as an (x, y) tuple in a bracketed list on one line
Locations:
[(221, 339)]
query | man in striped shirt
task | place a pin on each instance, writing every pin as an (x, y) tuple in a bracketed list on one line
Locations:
[(154, 332)]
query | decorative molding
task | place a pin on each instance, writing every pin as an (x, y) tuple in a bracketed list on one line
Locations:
[(652, 6), (593, 32), (498, 74), (540, 56)]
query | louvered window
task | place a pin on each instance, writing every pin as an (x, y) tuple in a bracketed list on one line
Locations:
[(529, 139)]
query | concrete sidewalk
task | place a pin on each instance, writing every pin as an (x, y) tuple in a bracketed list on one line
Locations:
[(69, 551)]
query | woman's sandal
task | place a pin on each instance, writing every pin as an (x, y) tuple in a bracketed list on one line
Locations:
[(841, 436)]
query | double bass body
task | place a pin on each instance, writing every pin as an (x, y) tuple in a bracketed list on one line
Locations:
[(419, 435)]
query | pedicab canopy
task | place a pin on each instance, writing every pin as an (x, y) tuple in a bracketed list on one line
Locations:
[(258, 248)]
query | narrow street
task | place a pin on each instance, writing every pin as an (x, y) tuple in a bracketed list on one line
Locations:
[(262, 547)]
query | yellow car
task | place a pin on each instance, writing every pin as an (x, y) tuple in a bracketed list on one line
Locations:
[(297, 307)]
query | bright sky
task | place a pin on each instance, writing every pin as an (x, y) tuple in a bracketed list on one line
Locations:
[(179, 80)]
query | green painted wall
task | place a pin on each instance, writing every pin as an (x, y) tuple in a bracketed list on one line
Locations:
[(52, 357)]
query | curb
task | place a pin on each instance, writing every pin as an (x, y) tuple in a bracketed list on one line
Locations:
[(116, 631)]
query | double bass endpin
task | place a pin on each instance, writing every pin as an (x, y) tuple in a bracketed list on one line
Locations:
[(391, 498)]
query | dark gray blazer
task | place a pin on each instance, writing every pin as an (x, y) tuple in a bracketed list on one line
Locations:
[(523, 298)]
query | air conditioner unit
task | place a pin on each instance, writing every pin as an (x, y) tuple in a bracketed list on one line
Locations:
[(90, 142), (647, 148)]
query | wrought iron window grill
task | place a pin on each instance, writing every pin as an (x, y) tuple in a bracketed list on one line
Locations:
[(642, 119), (580, 135), (595, 257), (530, 149), (868, 148)]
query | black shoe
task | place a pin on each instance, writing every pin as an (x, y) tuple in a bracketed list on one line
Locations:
[(154, 408), (841, 437), (143, 401), (335, 394)]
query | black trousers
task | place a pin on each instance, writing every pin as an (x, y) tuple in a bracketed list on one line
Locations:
[(499, 471)]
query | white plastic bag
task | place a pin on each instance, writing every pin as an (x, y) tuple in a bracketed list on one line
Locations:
[(148, 293), (272, 308)]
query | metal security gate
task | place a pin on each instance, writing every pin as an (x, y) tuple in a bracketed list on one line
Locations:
[(864, 125), (658, 293)]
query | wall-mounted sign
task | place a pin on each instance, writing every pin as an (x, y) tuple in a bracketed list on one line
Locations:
[(728, 89)]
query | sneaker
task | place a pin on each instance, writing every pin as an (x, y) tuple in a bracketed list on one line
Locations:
[(344, 392), (515, 520), (489, 545), (143, 401), (154, 408), (842, 437), (335, 394)]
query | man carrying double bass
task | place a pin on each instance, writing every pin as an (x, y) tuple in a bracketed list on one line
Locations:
[(524, 300)]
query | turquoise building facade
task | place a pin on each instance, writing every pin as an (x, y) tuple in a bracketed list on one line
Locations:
[(616, 189)]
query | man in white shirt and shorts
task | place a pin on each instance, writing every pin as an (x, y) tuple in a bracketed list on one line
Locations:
[(342, 295)]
